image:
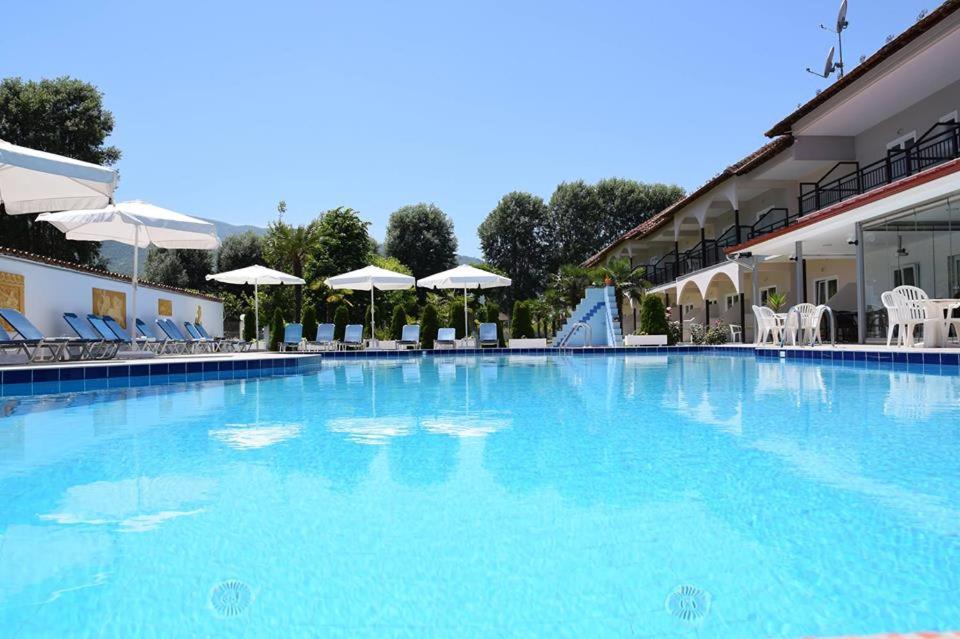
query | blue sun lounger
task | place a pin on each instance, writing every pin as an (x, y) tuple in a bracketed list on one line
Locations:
[(141, 343), (120, 340), (324, 339), (94, 345), (292, 334), (352, 336), (233, 343), (210, 344), (488, 335), (166, 344), (168, 328), (446, 338), (31, 341), (409, 336)]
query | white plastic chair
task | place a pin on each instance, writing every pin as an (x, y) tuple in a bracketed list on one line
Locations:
[(894, 323), (767, 326), (797, 333), (736, 333), (912, 312), (813, 327)]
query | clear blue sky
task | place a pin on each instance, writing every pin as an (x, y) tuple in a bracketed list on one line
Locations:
[(222, 109)]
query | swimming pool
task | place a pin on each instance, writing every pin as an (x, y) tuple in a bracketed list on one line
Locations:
[(624, 496)]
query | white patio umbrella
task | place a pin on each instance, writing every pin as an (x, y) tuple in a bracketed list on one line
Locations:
[(367, 279), (256, 275), (139, 224), (465, 277), (34, 181)]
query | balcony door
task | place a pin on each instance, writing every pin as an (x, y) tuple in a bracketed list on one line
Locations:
[(897, 157)]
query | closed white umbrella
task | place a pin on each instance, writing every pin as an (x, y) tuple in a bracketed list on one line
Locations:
[(465, 277), (256, 275), (367, 279), (139, 224), (34, 181)]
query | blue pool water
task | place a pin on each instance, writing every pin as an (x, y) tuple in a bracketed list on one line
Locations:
[(614, 496)]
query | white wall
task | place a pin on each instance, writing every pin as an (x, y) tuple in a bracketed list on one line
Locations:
[(50, 291)]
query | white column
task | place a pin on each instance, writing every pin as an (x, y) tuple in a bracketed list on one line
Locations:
[(798, 273), (861, 287)]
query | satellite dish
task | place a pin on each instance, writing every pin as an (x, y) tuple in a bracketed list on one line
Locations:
[(828, 63), (842, 16)]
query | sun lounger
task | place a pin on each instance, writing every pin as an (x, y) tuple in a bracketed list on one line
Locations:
[(210, 344), (232, 343), (166, 344), (487, 335), (170, 329), (126, 348), (446, 338), (93, 345), (409, 336), (352, 336), (324, 339), (31, 341), (292, 334), (142, 343)]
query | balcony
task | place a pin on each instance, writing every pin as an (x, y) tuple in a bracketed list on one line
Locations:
[(941, 143)]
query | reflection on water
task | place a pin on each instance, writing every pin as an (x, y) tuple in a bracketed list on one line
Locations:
[(250, 436), (592, 486)]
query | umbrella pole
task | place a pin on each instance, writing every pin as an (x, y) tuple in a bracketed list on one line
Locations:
[(373, 325), (466, 329), (132, 326), (256, 314)]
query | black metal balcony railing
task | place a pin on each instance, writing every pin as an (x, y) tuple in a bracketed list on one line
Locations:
[(941, 143)]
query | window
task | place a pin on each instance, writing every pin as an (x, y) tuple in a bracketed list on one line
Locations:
[(897, 156), (825, 289), (730, 300), (954, 271), (687, 310), (765, 293), (907, 275)]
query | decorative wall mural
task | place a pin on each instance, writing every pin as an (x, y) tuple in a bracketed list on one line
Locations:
[(11, 293), (112, 303), (198, 318), (164, 308)]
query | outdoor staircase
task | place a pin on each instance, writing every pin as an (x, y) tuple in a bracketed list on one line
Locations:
[(598, 309)]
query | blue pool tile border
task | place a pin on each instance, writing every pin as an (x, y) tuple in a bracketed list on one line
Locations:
[(44, 380)]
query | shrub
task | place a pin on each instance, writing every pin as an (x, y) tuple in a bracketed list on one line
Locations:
[(491, 315), (520, 326), (455, 317), (675, 333), (397, 322), (276, 330), (341, 317), (715, 334), (310, 323), (653, 317), (429, 324), (249, 326)]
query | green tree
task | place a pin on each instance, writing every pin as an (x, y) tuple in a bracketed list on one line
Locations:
[(309, 322), (627, 280), (238, 251), (397, 322), (342, 244), (421, 236), (185, 268), (492, 315), (429, 324), (276, 330), (520, 326), (340, 320), (249, 328), (653, 317), (164, 267), (571, 282), (287, 248), (64, 116), (624, 204), (514, 238), (574, 216)]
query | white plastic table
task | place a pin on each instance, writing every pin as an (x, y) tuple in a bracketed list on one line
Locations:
[(938, 309)]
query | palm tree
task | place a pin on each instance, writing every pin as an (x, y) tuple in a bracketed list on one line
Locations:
[(287, 248), (627, 280), (570, 282)]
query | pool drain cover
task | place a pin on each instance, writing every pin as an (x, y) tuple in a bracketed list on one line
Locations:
[(688, 603), (230, 598)]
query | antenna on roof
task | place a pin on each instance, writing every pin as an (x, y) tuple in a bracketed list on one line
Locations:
[(830, 66)]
